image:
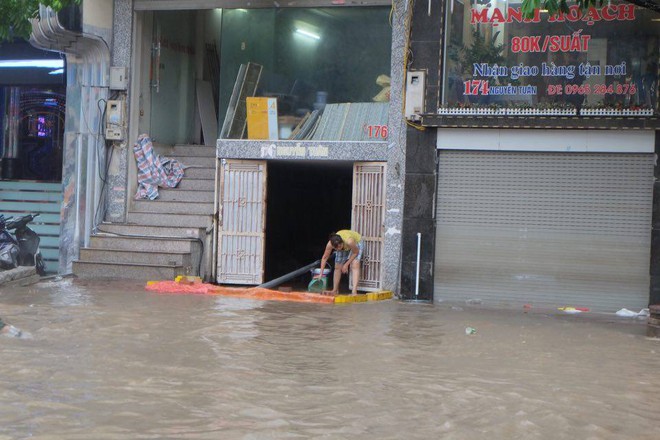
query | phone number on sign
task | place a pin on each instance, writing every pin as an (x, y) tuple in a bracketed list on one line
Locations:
[(596, 89)]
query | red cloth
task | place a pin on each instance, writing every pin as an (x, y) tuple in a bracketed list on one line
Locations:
[(249, 293)]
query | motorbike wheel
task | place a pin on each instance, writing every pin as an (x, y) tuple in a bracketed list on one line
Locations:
[(39, 264)]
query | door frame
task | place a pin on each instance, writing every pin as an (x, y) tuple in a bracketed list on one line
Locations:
[(376, 224), (140, 88)]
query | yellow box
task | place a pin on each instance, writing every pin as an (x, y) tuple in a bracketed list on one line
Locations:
[(187, 279), (379, 296), (350, 299), (262, 118)]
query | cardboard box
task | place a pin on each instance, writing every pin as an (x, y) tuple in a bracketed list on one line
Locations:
[(262, 118)]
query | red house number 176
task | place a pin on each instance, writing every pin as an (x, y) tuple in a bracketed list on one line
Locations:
[(377, 131)]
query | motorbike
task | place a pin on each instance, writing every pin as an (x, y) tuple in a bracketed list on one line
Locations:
[(22, 247)]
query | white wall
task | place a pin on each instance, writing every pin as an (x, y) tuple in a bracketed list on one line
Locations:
[(589, 141)]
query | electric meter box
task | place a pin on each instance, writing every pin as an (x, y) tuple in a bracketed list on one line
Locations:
[(114, 121), (415, 91), (118, 78)]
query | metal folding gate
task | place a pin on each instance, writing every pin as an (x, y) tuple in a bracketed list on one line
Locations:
[(544, 228), (368, 219), (241, 236)]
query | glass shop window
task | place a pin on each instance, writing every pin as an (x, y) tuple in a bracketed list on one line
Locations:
[(302, 73), (32, 109), (32, 133), (602, 62)]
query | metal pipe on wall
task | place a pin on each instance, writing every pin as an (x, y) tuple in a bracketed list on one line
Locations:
[(419, 248)]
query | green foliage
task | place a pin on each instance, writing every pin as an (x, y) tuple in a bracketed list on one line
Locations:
[(555, 6), (482, 50), (16, 15)]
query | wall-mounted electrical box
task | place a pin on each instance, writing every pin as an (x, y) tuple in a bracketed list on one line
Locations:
[(114, 121), (415, 91), (118, 78)]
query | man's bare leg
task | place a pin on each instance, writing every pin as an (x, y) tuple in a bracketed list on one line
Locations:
[(336, 278), (355, 272)]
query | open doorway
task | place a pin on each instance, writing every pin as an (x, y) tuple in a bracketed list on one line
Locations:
[(306, 202)]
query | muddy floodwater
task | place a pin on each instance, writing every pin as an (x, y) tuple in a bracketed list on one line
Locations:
[(108, 360)]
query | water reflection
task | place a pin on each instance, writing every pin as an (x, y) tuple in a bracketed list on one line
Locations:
[(123, 363)]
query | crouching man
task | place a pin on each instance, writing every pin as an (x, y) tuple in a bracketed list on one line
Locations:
[(348, 247)]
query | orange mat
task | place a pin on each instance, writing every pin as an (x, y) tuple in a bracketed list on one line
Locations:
[(250, 293)]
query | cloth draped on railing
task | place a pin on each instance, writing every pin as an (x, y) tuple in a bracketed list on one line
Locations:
[(154, 170)]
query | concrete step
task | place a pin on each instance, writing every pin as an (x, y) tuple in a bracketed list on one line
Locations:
[(94, 255), (199, 173), (172, 220), (199, 161), (195, 184), (140, 230), (144, 243), (162, 238), (193, 150), (165, 207), (133, 271), (185, 195)]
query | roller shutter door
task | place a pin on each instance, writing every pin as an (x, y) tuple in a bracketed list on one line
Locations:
[(549, 229)]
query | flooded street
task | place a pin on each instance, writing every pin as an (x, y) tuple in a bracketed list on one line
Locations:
[(112, 361)]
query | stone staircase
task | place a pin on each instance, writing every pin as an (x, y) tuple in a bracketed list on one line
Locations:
[(162, 238)]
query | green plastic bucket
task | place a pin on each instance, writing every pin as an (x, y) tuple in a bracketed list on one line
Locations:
[(318, 285)]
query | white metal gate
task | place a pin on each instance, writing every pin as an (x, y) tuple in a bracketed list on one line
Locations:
[(241, 232), (368, 219), (544, 228)]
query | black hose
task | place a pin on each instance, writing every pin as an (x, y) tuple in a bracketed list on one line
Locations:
[(295, 273)]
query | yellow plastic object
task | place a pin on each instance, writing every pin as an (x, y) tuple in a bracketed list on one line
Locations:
[(371, 296), (261, 118), (379, 296), (187, 279), (350, 299), (573, 309)]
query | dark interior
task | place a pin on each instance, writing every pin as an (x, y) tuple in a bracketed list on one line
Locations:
[(306, 201)]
